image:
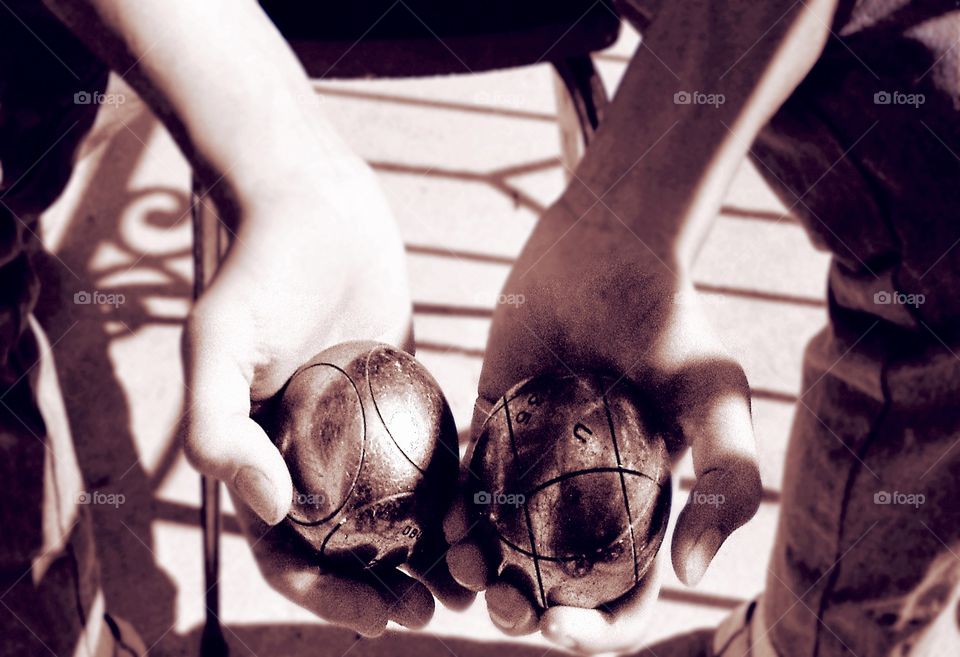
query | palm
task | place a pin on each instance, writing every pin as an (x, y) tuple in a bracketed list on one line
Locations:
[(594, 297)]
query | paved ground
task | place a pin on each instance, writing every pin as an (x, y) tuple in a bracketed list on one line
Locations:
[(123, 226)]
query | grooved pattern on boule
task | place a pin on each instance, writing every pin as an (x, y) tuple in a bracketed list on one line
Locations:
[(372, 449), (570, 482)]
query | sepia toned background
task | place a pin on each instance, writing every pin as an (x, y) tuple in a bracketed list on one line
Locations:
[(468, 163)]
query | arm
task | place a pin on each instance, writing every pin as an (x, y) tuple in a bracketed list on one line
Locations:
[(223, 80), (664, 167), (302, 207), (606, 279)]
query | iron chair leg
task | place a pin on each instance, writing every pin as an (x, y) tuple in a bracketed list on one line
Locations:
[(580, 109), (209, 243)]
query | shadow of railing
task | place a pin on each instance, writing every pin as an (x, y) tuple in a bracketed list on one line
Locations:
[(101, 417), (133, 580)]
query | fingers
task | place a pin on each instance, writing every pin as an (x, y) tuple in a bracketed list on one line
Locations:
[(465, 559), (364, 601), (447, 589), (468, 566), (409, 602), (293, 571), (728, 489), (338, 600), (429, 565), (615, 627), (510, 610), (456, 524), (220, 439)]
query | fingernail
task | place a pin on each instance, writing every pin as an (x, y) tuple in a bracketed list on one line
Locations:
[(470, 566), (702, 554), (371, 632), (255, 489), (501, 621), (518, 622)]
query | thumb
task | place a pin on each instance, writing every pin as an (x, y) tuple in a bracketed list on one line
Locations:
[(220, 438), (728, 489)]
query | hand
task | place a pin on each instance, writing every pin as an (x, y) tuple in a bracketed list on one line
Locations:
[(363, 602), (594, 296), (315, 263)]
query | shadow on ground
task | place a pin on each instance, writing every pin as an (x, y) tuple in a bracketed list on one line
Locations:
[(134, 584), (298, 640)]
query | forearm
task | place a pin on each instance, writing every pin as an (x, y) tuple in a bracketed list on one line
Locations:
[(222, 79), (661, 167)]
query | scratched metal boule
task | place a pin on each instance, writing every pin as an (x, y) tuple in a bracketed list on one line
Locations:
[(372, 450), (570, 483)]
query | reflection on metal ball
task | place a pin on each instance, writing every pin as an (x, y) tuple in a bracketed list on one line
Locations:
[(571, 485), (372, 450)]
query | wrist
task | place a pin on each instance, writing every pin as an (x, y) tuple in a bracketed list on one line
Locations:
[(652, 249), (267, 151), (297, 185)]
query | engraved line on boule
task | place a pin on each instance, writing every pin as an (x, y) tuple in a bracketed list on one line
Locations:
[(363, 453), (526, 507), (570, 475), (380, 415), (343, 521), (531, 381), (623, 486), (576, 473)]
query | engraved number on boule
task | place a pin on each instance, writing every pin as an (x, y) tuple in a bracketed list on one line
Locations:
[(579, 430), (411, 531)]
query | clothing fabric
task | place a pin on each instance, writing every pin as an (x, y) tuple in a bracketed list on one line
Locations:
[(50, 596), (866, 153)]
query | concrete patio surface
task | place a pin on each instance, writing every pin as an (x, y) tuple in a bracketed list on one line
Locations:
[(123, 226)]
